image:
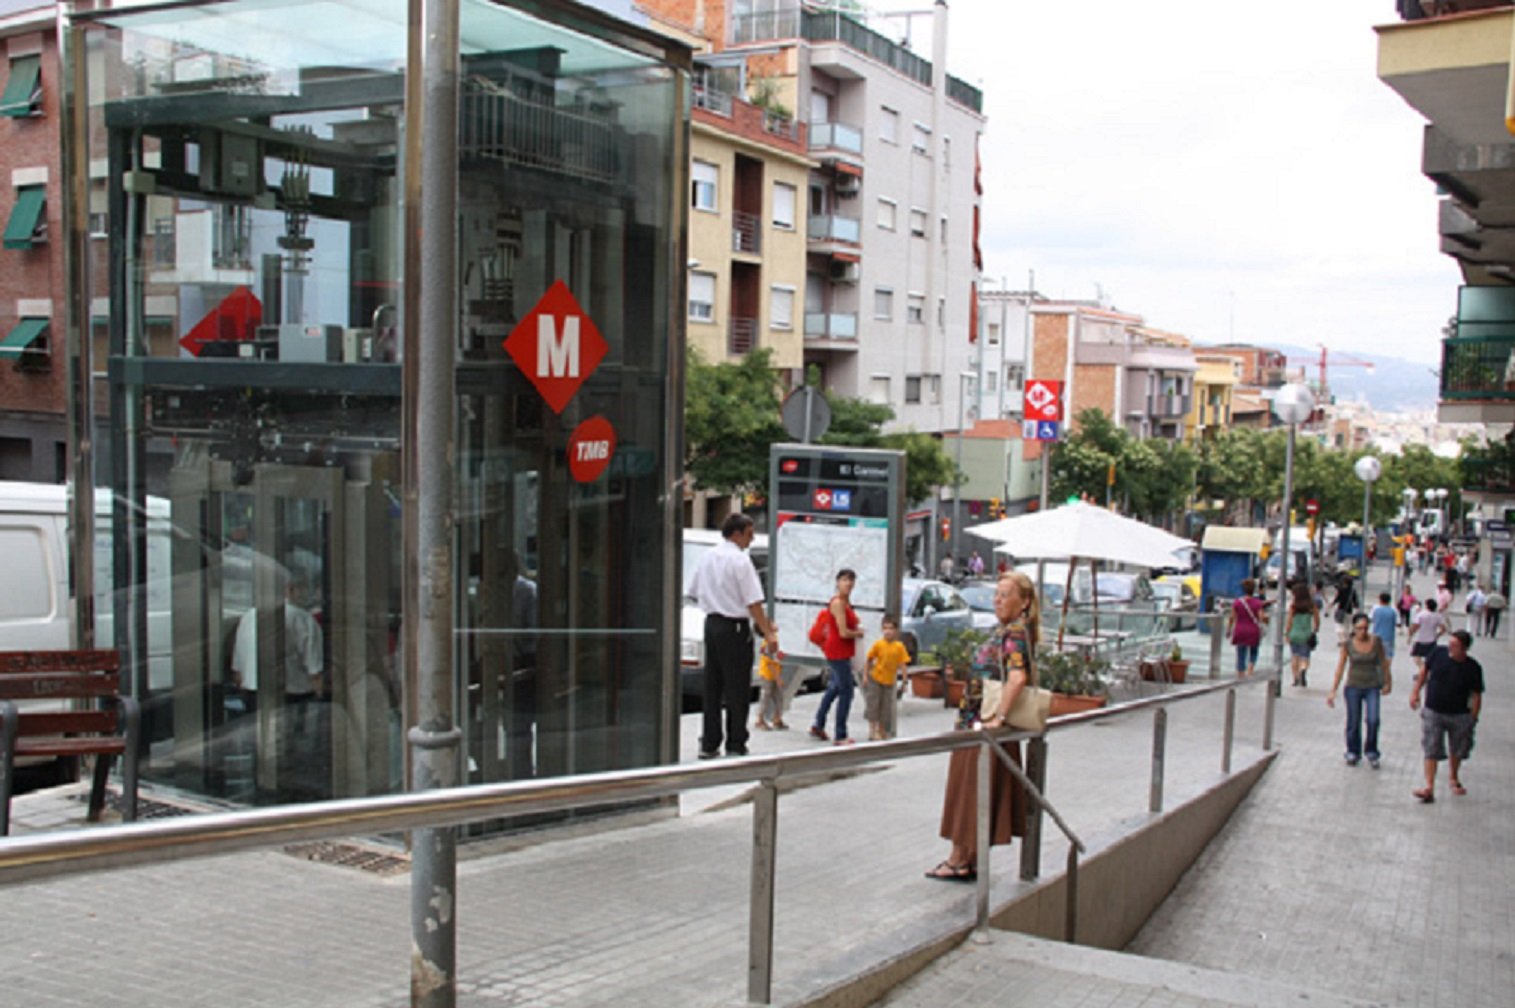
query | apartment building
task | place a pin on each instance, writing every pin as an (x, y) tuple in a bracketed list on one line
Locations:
[(891, 204), (33, 369), (1215, 384), (1143, 378)]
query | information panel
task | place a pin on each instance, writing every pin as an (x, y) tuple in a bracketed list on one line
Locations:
[(833, 508)]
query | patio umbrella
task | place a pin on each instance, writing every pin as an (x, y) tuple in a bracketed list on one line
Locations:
[(1082, 531)]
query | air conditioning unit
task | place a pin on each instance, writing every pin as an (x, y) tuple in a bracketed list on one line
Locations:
[(844, 272), (848, 184)]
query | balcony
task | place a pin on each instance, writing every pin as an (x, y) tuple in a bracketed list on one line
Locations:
[(830, 228), (765, 26), (831, 325), (1490, 470), (1478, 368), (836, 136), (741, 336), (746, 232), (1166, 407)]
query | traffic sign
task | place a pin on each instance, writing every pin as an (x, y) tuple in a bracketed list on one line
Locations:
[(556, 346), (1312, 506), (1043, 400), (1046, 430)]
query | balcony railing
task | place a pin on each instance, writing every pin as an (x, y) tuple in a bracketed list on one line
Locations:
[(831, 325), (836, 136), (1491, 474), (833, 26), (1478, 367), (718, 102), (746, 232), (519, 127), (831, 228), (741, 336), (765, 26), (1165, 406)]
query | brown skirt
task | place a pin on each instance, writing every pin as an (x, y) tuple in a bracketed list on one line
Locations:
[(1007, 800)]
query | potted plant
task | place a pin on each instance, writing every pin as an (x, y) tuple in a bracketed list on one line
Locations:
[(1178, 666), (955, 652), (1075, 679)]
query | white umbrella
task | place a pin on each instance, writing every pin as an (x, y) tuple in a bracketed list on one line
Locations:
[(1083, 531)]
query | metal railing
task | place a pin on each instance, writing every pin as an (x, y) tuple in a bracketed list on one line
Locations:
[(31, 858), (741, 336), (1478, 367), (834, 228), (836, 136), (746, 232), (831, 325)]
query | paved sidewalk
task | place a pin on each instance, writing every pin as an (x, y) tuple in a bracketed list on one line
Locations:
[(651, 915)]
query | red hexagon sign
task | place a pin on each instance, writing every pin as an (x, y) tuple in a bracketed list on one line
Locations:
[(556, 346)]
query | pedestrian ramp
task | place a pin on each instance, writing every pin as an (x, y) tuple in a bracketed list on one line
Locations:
[(1005, 969)]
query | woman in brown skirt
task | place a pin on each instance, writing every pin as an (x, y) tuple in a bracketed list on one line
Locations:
[(1006, 656)]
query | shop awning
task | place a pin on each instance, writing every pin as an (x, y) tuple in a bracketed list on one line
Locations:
[(23, 87), (21, 337), (25, 216)]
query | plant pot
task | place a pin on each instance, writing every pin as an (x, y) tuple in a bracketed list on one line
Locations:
[(1067, 703), (955, 689), (1178, 671), (926, 684)]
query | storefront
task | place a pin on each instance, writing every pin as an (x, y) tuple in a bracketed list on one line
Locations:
[(252, 157)]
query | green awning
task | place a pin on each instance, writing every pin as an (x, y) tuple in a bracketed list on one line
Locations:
[(23, 88), (21, 337), (25, 216)]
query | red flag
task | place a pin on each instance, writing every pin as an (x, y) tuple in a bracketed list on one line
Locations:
[(973, 313)]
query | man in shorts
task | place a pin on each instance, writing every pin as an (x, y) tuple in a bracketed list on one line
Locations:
[(1453, 684)]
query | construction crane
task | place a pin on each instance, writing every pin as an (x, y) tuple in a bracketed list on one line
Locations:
[(1328, 359)]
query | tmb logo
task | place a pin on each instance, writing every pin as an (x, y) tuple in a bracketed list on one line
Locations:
[(556, 346)]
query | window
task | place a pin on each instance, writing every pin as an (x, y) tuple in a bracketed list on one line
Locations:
[(888, 125), (1015, 375), (28, 224), (783, 205), (918, 223), (946, 152), (912, 388), (886, 211), (702, 296), (878, 389), (934, 388), (781, 308), (99, 225), (994, 334), (915, 309), (920, 138), (991, 381), (29, 337), (23, 89), (944, 231), (704, 183), (941, 313), (883, 303)]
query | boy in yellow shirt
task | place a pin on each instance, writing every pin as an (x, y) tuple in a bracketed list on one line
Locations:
[(887, 658)]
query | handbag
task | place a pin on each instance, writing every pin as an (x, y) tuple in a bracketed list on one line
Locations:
[(821, 628), (1030, 710), (1314, 641)]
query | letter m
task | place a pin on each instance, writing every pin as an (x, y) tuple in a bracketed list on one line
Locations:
[(557, 358)]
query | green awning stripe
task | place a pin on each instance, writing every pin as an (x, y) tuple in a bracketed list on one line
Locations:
[(24, 217), (20, 89), (27, 330)]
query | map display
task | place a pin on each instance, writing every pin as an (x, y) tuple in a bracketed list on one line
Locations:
[(811, 554)]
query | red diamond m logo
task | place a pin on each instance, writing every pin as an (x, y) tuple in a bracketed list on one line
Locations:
[(556, 346)]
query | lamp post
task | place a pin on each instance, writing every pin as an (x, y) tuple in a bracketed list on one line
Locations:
[(963, 377), (1293, 405), (1367, 469)]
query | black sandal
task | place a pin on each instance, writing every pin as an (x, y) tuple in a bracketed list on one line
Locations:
[(949, 872)]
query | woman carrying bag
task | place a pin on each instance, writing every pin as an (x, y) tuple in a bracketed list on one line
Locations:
[(1244, 627), (1006, 658)]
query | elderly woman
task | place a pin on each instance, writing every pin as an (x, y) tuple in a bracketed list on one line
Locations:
[(1007, 657)]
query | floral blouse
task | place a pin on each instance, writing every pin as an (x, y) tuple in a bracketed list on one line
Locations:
[(1007, 648)]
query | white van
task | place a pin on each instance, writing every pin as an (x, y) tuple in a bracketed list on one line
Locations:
[(698, 542)]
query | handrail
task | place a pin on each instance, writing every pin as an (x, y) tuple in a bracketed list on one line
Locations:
[(37, 856)]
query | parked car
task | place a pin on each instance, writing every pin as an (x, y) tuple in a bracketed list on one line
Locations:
[(1299, 565), (1178, 598), (929, 609)]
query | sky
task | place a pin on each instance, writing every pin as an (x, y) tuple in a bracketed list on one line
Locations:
[(1227, 170)]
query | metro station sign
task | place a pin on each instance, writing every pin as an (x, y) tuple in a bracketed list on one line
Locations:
[(556, 346), (1043, 400)]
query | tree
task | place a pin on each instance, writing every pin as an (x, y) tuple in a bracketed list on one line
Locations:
[(1081, 463), (731, 416), (859, 424)]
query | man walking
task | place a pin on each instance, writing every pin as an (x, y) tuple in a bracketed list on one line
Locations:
[(1453, 684), (726, 586)]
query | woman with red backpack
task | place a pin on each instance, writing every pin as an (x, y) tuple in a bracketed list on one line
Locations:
[(839, 645)]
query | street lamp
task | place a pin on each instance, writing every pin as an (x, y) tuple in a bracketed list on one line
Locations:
[(1368, 469), (963, 377), (1293, 405)]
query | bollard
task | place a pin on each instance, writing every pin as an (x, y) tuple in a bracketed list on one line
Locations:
[(1230, 732), (765, 823), (1159, 752)]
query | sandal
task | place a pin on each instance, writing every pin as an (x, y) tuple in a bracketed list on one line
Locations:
[(949, 872), (779, 725), (1458, 789), (1426, 795), (761, 725)]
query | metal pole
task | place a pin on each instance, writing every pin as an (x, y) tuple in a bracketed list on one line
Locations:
[(765, 823), (957, 486), (1159, 755), (1230, 732), (1283, 567), (1070, 911), (432, 114), (1367, 497), (1270, 699), (1031, 843), (981, 890)]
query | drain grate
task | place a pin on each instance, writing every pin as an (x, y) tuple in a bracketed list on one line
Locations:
[(147, 808), (346, 855)]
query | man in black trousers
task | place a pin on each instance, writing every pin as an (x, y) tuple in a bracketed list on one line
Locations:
[(726, 586)]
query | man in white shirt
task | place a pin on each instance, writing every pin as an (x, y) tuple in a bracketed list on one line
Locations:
[(304, 645), (726, 587)]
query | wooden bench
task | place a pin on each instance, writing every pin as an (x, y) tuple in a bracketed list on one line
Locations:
[(107, 728)]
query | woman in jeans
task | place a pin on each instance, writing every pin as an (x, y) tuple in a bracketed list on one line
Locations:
[(1366, 663), (1244, 627), (840, 646)]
